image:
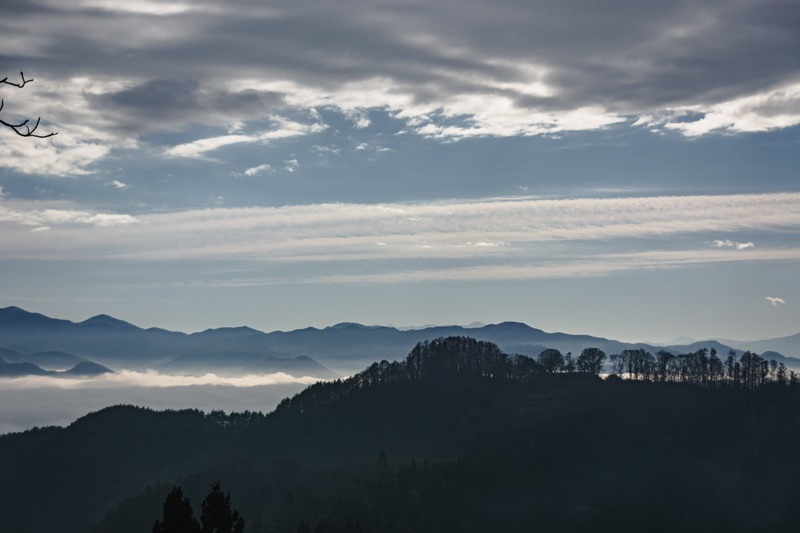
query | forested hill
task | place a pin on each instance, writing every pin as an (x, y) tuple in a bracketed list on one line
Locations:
[(457, 437)]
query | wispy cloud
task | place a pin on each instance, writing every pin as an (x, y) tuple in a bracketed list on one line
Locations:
[(284, 129), (493, 237), (199, 147), (63, 217), (775, 301), (139, 7), (727, 243), (597, 265), (258, 169)]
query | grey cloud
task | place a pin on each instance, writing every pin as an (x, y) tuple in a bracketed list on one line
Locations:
[(622, 57), (155, 104)]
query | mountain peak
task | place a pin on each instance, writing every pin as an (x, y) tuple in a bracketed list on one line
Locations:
[(349, 325), (16, 316), (514, 326), (107, 321), (13, 311)]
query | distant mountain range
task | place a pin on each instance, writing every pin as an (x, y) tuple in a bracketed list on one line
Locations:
[(344, 348), (54, 364)]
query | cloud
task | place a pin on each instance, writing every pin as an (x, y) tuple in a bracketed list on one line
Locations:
[(374, 148), (57, 156), (359, 118), (765, 111), (775, 302), (596, 265), (727, 243), (47, 216), (119, 185), (199, 147), (284, 129), (307, 242), (326, 149), (142, 7), (107, 74), (258, 169)]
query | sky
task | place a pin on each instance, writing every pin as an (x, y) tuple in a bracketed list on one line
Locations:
[(623, 169)]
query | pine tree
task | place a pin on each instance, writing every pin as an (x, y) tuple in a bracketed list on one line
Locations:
[(178, 515), (218, 516)]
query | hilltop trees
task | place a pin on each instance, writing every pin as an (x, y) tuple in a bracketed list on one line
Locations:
[(447, 358), (591, 360), (551, 359)]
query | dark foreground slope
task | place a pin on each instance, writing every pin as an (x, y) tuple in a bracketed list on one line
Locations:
[(458, 437)]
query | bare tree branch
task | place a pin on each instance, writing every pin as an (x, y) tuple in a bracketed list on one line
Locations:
[(28, 131)]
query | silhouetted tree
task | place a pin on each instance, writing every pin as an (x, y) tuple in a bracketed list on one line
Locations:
[(591, 360), (665, 366), (716, 368), (17, 127), (619, 363), (524, 368), (639, 364), (218, 516), (178, 515), (569, 363), (730, 363), (551, 359)]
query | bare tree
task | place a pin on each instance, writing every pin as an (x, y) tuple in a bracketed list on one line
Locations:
[(23, 129)]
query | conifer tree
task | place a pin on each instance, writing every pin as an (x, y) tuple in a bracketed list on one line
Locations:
[(218, 516), (178, 515)]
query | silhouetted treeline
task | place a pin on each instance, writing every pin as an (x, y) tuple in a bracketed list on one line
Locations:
[(703, 367), (464, 356)]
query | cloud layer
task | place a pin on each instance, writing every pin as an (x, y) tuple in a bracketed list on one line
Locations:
[(108, 75), (151, 379), (498, 238)]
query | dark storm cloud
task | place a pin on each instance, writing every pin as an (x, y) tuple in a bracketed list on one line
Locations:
[(155, 104), (516, 67)]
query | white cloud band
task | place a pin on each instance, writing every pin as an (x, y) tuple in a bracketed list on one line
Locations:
[(490, 238)]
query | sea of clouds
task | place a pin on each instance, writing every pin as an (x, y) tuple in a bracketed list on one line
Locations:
[(41, 401)]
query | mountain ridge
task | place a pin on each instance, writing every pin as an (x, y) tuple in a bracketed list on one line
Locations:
[(343, 348)]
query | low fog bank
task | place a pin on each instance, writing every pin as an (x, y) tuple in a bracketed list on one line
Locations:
[(151, 379), (35, 401)]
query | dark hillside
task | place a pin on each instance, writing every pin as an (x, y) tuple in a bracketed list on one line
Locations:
[(457, 437)]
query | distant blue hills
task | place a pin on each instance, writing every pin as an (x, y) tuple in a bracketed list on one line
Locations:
[(57, 344), (53, 364)]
